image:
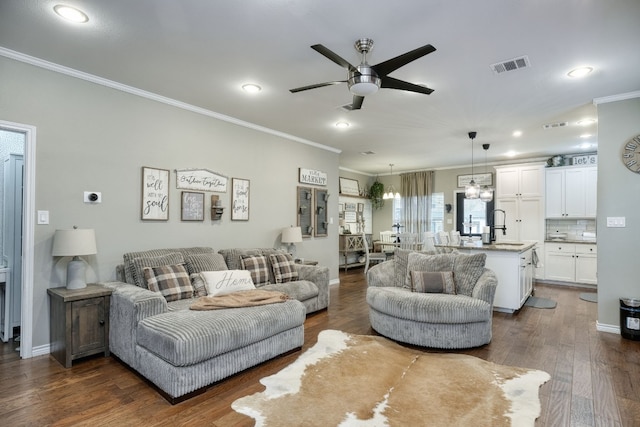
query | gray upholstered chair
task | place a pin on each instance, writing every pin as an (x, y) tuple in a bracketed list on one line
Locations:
[(438, 320)]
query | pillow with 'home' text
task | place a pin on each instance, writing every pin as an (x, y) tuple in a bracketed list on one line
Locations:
[(224, 282)]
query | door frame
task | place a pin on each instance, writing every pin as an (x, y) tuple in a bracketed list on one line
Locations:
[(28, 234)]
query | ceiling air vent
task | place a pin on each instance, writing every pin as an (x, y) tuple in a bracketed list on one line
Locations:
[(367, 153), (555, 125), (511, 64)]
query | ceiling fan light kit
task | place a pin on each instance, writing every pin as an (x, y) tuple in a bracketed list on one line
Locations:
[(366, 79)]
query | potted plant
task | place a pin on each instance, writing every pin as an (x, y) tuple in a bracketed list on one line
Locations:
[(375, 194)]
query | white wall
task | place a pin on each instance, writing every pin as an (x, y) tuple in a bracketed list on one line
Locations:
[(618, 196), (90, 137)]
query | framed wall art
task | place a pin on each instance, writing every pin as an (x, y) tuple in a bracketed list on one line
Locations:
[(349, 187), (192, 206), (239, 199), (155, 194), (201, 180), (479, 178)]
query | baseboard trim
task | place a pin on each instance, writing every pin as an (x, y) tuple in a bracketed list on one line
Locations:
[(334, 282), (41, 350), (612, 329)]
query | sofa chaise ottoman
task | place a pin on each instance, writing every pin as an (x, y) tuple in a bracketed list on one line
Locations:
[(182, 351)]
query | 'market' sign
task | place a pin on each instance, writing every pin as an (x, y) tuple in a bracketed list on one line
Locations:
[(309, 176)]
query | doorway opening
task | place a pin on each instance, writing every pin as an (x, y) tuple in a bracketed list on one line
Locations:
[(17, 191)]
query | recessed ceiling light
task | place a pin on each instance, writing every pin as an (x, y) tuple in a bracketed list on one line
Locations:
[(251, 88), (580, 72), (342, 125), (585, 146), (517, 133), (586, 122), (510, 153), (71, 13), (586, 135)]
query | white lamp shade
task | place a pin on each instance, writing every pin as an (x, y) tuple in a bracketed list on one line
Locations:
[(292, 235), (74, 242)]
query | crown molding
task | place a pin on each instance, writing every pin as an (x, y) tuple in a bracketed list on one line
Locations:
[(615, 98)]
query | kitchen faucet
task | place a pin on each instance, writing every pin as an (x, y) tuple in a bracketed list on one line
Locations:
[(493, 227)]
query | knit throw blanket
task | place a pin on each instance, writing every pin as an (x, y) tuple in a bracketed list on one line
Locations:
[(247, 298)]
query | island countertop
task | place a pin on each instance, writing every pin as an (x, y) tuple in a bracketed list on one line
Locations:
[(497, 246)]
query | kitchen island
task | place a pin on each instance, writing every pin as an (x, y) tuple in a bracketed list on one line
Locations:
[(512, 263)]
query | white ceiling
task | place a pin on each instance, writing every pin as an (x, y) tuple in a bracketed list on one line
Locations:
[(201, 52)]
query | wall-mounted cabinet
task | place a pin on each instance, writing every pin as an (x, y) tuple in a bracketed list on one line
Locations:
[(571, 192)]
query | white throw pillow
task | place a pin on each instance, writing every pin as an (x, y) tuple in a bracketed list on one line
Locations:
[(226, 281)]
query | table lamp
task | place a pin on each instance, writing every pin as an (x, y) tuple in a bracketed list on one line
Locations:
[(74, 243), (291, 236)]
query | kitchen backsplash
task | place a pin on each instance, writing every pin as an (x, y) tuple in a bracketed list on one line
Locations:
[(574, 229)]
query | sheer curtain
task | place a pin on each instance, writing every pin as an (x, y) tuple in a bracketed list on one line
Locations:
[(416, 188)]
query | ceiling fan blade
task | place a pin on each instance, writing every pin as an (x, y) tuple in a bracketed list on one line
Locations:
[(356, 104), (334, 57), (315, 86), (393, 64), (391, 83)]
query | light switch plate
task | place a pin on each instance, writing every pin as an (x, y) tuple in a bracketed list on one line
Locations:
[(616, 221), (43, 217)]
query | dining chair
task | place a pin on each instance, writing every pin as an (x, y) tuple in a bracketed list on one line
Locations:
[(454, 237), (428, 241), (443, 237), (408, 241), (371, 257), (386, 237)]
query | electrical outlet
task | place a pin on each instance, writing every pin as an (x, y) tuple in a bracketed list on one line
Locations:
[(92, 197)]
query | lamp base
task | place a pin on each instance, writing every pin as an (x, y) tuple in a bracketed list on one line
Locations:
[(76, 278)]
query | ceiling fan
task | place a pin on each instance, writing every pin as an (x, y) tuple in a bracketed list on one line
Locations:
[(366, 79)]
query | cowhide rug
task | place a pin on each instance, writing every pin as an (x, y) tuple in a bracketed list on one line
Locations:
[(355, 380)]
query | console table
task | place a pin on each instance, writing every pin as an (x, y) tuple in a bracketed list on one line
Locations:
[(352, 245)]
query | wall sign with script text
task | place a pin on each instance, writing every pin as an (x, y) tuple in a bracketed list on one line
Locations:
[(201, 180), (155, 194), (313, 177)]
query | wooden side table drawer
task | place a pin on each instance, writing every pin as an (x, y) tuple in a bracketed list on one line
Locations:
[(79, 324)]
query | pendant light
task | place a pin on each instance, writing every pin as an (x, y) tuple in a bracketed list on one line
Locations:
[(391, 192), (472, 190), (486, 192)]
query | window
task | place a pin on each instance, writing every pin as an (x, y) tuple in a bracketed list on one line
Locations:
[(474, 212), (436, 207)]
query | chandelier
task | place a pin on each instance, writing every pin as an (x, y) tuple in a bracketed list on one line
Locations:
[(391, 192)]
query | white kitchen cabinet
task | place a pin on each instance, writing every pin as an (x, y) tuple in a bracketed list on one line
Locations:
[(571, 192), (574, 263), (515, 277), (526, 180)]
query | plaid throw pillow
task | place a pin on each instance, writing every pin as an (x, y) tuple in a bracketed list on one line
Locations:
[(172, 281), (257, 266), (436, 282), (284, 268), (199, 287)]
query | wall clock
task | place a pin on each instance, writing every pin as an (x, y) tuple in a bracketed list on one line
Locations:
[(631, 154)]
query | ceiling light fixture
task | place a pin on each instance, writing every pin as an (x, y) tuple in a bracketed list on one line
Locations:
[(251, 88), (391, 192), (580, 72), (486, 192), (472, 190), (586, 135), (585, 146), (517, 133), (510, 153), (70, 13), (342, 125)]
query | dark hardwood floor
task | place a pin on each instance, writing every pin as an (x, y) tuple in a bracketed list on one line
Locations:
[(595, 376)]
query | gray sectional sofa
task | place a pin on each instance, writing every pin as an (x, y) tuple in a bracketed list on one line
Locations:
[(182, 351), (437, 320)]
